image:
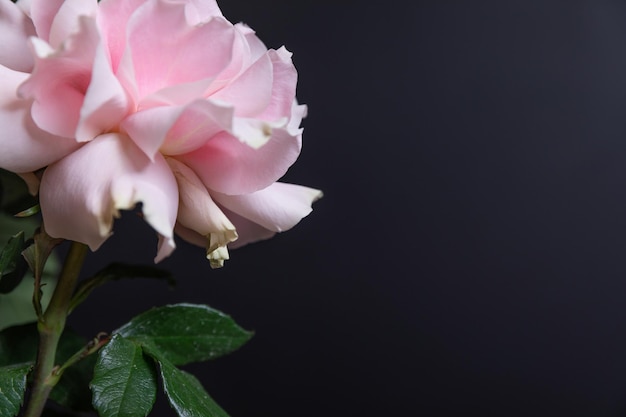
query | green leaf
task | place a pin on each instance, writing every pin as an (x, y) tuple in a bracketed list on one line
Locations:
[(12, 388), (184, 392), (185, 333), (124, 383), (116, 271), (18, 344), (12, 265)]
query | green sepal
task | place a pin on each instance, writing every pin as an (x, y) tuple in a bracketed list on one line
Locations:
[(12, 388), (185, 333), (125, 381)]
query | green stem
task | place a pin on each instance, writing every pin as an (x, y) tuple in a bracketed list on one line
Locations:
[(50, 327)]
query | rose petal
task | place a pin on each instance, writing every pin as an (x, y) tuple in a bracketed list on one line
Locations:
[(256, 47), (181, 56), (15, 28), (251, 92), (42, 12), (61, 77), (247, 230), (246, 51), (177, 129), (283, 93), (200, 11), (199, 213), (255, 133), (24, 146), (66, 21), (196, 125), (229, 166), (278, 207), (83, 192), (113, 16), (105, 103)]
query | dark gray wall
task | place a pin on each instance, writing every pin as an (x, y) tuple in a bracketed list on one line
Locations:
[(469, 257)]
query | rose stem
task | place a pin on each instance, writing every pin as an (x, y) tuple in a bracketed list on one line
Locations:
[(50, 328)]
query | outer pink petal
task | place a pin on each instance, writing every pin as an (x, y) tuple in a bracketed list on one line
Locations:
[(278, 207), (197, 124), (106, 102), (113, 17), (251, 92), (247, 230), (148, 128), (15, 28), (166, 50), (284, 88), (43, 12), (198, 212), (256, 47), (81, 194), (177, 129), (200, 11), (247, 49), (227, 165), (61, 77), (66, 21), (23, 146)]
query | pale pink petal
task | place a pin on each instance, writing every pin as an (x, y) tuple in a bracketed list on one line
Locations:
[(278, 207), (24, 147), (24, 6), (81, 194), (227, 165), (106, 102), (113, 17), (61, 77), (177, 129), (166, 50), (247, 230), (284, 87), (251, 92), (43, 12), (15, 29), (298, 112), (254, 132), (198, 212), (256, 47), (66, 21), (200, 11), (244, 55), (175, 95), (148, 128), (196, 125)]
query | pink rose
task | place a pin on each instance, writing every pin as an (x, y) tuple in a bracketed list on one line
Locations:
[(159, 102)]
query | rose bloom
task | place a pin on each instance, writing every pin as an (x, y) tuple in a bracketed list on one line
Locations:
[(159, 102)]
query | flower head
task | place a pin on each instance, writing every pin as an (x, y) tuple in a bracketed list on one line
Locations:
[(159, 102)]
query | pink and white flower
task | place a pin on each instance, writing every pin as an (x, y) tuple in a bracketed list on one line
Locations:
[(158, 102)]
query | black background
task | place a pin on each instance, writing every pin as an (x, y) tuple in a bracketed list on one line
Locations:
[(469, 255)]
